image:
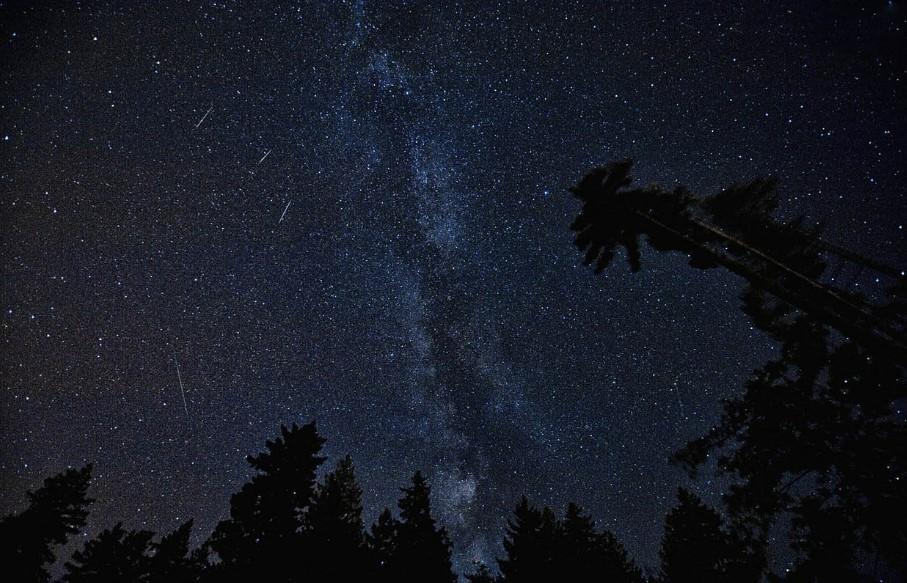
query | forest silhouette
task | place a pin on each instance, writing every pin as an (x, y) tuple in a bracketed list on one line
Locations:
[(814, 449)]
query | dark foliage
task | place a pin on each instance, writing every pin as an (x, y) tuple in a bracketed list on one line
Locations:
[(118, 555), (56, 511), (529, 544), (264, 530), (818, 441), (382, 545), (172, 561), (733, 229), (324, 539), (697, 547), (541, 548), (817, 436), (482, 574), (421, 548), (333, 528), (114, 555)]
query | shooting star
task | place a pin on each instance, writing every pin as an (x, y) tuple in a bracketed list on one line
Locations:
[(284, 212), (179, 377), (263, 157), (204, 116)]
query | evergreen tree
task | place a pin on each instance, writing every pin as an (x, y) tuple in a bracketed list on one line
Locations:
[(822, 537), (334, 531), (529, 542), (382, 546), (696, 547), (482, 574), (583, 554), (814, 437), (540, 548), (264, 531), (114, 556), (172, 561), (422, 549), (819, 427), (55, 511)]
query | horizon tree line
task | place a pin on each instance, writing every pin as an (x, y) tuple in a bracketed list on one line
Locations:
[(815, 448), (287, 526)]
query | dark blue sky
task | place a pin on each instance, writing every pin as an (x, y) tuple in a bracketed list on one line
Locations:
[(420, 296)]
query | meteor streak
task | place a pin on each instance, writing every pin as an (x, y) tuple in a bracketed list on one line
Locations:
[(179, 377), (204, 116), (284, 212)]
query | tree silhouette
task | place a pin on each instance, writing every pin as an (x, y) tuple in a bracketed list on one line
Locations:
[(113, 556), (816, 436), (55, 511), (117, 554), (172, 561), (817, 432), (733, 229), (696, 547), (482, 574), (264, 531), (287, 527), (541, 548), (823, 538), (382, 545), (422, 549), (529, 543), (583, 554), (334, 532)]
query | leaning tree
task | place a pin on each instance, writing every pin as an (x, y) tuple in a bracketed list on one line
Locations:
[(818, 437)]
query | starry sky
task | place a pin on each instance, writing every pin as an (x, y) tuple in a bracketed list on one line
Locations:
[(357, 213)]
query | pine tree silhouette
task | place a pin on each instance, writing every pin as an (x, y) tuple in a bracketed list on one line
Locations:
[(382, 546), (333, 524), (583, 554), (823, 539), (482, 574), (172, 561), (540, 548), (529, 542), (814, 436), (117, 554), (733, 229), (114, 556), (55, 511), (422, 550), (819, 426), (696, 547), (264, 531), (310, 532)]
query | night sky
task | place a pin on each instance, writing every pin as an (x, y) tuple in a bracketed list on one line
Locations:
[(358, 213)]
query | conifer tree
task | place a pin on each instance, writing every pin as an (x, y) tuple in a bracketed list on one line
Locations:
[(822, 539), (696, 546), (584, 554), (56, 510), (114, 556), (264, 530), (382, 546), (117, 554), (334, 532), (541, 548), (422, 549), (820, 426), (172, 561), (529, 542), (482, 574)]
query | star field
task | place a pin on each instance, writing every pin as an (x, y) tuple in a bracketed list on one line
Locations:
[(358, 213)]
